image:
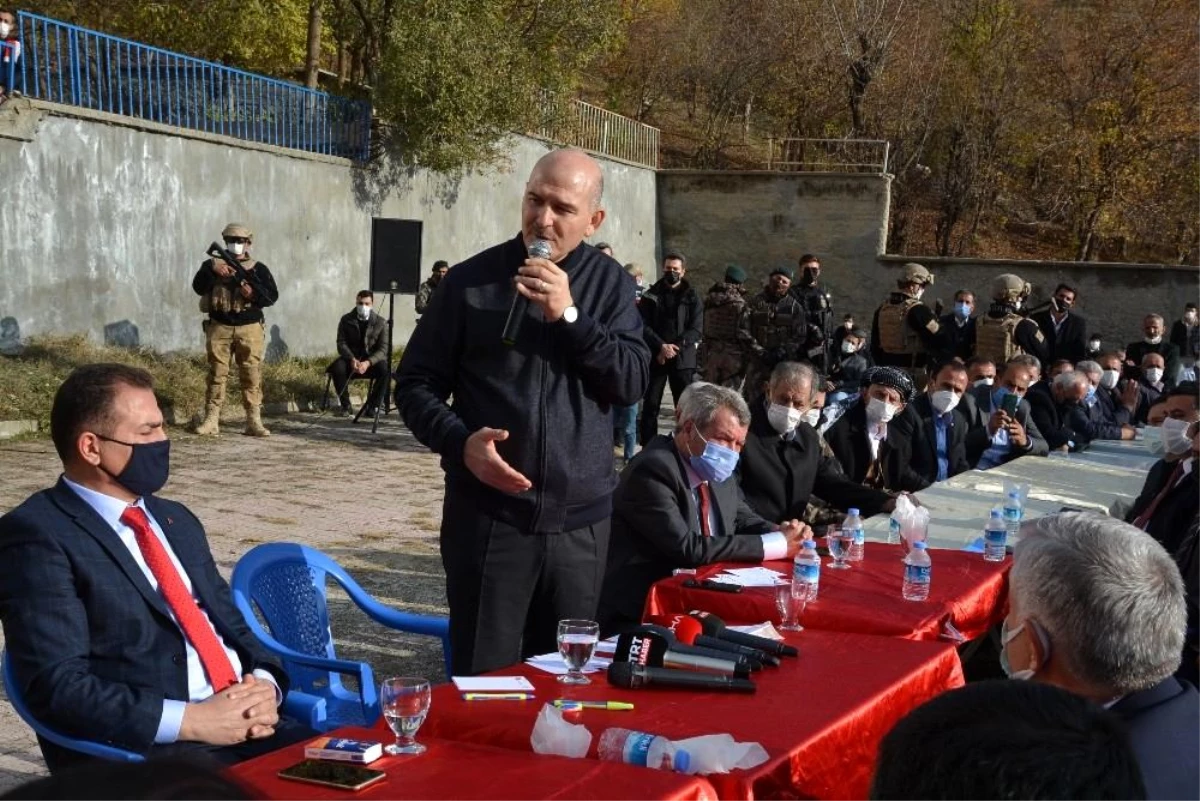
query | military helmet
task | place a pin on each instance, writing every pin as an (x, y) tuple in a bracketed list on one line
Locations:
[(237, 230), (1009, 287), (914, 273)]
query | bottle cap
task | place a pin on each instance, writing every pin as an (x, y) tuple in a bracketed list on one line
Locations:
[(808, 544), (853, 510), (919, 545), (683, 761), (997, 513)]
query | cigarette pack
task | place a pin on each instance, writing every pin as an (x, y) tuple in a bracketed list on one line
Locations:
[(340, 749)]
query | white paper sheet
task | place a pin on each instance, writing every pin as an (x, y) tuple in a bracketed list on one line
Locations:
[(489, 684)]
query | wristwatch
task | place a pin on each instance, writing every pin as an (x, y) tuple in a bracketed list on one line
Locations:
[(570, 315)]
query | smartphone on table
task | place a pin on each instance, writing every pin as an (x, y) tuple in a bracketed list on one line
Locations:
[(342, 775)]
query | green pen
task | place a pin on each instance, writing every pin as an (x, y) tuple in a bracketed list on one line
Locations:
[(611, 706)]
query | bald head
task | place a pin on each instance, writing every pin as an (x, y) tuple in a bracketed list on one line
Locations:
[(562, 201)]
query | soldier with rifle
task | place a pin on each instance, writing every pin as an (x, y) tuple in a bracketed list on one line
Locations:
[(776, 329), (233, 290), (817, 308)]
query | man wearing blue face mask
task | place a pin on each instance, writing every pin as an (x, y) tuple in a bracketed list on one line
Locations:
[(959, 327), (1099, 608), (1002, 431), (118, 626), (678, 505)]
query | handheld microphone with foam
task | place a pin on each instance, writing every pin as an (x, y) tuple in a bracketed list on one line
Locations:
[(655, 651), (540, 249), (631, 676), (690, 632), (679, 646), (715, 627)]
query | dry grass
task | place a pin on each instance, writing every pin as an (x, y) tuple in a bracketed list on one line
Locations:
[(28, 382)]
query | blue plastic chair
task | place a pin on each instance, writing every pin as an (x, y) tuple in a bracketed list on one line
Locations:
[(286, 581), (87, 747)]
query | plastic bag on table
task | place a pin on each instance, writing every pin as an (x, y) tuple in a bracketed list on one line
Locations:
[(913, 520), (720, 753), (553, 735)]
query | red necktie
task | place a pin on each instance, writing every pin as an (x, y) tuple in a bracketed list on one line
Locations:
[(1143, 519), (705, 510), (195, 626)]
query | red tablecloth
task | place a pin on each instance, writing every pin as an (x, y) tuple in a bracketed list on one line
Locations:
[(820, 716), (966, 591), (454, 770)]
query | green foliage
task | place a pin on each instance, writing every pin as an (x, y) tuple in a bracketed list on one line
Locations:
[(457, 75)]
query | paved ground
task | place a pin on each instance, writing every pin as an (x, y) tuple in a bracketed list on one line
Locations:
[(372, 502)]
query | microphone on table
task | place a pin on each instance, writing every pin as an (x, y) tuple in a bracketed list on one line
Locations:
[(689, 631), (656, 651), (679, 646), (540, 249), (715, 627), (632, 676)]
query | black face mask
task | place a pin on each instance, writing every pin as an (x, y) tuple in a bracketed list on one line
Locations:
[(148, 468), (672, 278), (807, 278)]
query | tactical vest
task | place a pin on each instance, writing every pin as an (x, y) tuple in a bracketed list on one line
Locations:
[(771, 327), (994, 337), (721, 319), (225, 297), (895, 336)]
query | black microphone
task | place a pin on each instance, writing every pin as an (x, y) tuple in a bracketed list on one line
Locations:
[(715, 627), (678, 645), (540, 249), (656, 651), (687, 631), (631, 676)]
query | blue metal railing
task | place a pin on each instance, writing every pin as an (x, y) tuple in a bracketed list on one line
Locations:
[(64, 63)]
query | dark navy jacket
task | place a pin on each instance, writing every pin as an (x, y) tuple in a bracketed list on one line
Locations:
[(553, 391)]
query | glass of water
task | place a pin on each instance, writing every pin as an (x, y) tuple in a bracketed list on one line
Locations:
[(790, 605), (839, 543), (576, 641), (405, 702)]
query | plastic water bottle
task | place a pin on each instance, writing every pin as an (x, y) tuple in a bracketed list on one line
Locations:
[(995, 537), (894, 530), (854, 526), (1012, 513), (646, 750), (917, 570), (806, 571)]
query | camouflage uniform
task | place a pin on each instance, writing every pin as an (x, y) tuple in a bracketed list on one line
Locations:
[(776, 330), (424, 293), (723, 349)]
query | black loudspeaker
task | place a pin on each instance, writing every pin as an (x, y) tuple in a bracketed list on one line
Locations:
[(395, 255)]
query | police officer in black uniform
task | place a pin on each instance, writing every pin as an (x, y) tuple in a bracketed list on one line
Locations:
[(817, 308)]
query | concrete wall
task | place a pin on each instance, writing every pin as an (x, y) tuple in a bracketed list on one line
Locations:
[(764, 219), (1112, 297), (103, 222)]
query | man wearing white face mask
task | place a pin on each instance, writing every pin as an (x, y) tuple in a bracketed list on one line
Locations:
[(362, 352), (1110, 406), (1153, 329), (999, 432), (928, 441), (1170, 498), (859, 437), (852, 364), (1112, 636), (234, 330), (783, 464)]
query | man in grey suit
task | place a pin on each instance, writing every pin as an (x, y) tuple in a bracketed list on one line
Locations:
[(678, 504), (995, 436)]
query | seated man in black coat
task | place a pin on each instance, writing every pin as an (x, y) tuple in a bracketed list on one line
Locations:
[(1170, 498), (995, 436), (678, 504), (1112, 636), (1058, 411), (859, 437), (362, 346), (927, 442), (782, 463)]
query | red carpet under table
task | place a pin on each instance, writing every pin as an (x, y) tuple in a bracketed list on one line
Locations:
[(452, 770), (966, 591), (820, 716)]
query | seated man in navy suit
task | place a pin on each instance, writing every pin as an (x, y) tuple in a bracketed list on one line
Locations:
[(678, 504), (119, 628), (1110, 635)]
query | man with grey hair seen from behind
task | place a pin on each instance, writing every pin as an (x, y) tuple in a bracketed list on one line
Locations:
[(527, 443), (678, 504), (1097, 607)]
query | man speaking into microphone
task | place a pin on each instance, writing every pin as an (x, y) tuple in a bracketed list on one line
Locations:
[(527, 443)]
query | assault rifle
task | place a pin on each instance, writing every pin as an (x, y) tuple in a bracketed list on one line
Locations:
[(240, 274)]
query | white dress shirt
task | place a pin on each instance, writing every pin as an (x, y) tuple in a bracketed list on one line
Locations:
[(110, 510)]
